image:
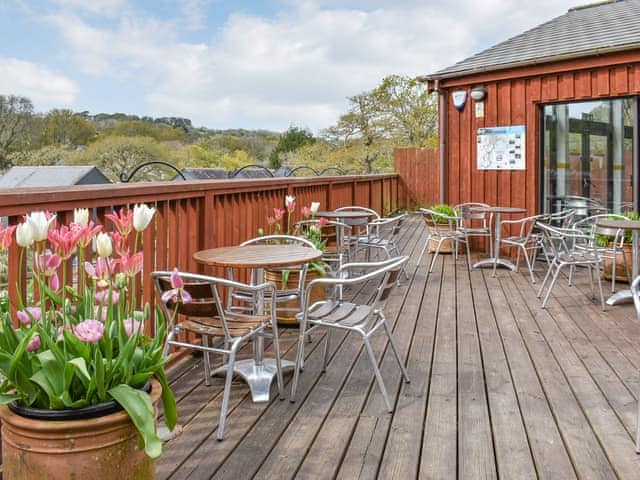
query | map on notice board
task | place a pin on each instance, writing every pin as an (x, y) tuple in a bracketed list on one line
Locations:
[(501, 148)]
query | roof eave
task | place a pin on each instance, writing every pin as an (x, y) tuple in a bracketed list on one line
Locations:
[(531, 62)]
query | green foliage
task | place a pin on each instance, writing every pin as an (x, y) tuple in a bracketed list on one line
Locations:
[(45, 156), (444, 210), (139, 128), (15, 115), (64, 127), (290, 141), (112, 155)]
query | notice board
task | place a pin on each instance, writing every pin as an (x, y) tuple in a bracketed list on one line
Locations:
[(501, 148)]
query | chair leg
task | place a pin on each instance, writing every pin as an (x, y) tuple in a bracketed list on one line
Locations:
[(227, 391), (468, 252), (376, 370), (276, 351), (325, 355), (553, 282), (206, 360), (597, 269), (529, 266), (424, 249), (298, 365), (435, 254), (392, 342), (546, 277)]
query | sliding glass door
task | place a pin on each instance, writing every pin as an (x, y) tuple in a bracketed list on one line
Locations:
[(588, 155)]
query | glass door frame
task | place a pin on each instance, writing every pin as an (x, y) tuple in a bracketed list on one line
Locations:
[(635, 174)]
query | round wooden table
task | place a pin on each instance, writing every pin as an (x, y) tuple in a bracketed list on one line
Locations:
[(634, 226), (258, 372), (496, 260)]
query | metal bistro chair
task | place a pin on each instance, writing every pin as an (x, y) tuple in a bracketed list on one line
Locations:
[(335, 239), (525, 241), (474, 222), (282, 295), (382, 236), (563, 242), (442, 228), (358, 228), (207, 318), (614, 238), (363, 318), (635, 293)]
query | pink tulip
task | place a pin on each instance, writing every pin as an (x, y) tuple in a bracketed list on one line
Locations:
[(278, 213), (132, 326), (131, 265), (34, 344), (90, 331), (177, 292), (28, 314), (122, 220), (104, 297), (306, 212), (6, 236), (100, 312), (64, 240)]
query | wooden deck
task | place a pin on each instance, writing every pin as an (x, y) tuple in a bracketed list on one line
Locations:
[(500, 388)]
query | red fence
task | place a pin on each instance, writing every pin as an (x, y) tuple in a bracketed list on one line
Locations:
[(194, 215), (419, 170)]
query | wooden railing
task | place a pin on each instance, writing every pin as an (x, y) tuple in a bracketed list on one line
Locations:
[(194, 215)]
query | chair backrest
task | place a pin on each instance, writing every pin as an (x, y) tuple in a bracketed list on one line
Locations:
[(562, 218), (206, 299), (586, 224), (387, 228), (563, 241), (279, 240), (472, 213), (385, 273)]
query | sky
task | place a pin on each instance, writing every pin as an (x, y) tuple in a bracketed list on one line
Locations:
[(250, 64)]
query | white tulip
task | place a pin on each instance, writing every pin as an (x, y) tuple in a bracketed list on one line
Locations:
[(39, 224), (104, 246), (81, 216), (24, 235), (314, 207), (289, 199), (142, 215)]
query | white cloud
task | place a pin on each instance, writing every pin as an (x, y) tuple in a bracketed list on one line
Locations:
[(295, 67), (100, 7), (23, 78)]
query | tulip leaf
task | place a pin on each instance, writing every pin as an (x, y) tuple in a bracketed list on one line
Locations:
[(137, 404)]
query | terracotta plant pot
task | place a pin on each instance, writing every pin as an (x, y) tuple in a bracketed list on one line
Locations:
[(288, 317), (446, 246), (96, 448), (621, 273)]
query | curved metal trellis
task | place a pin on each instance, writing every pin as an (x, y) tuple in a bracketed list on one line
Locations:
[(238, 170), (329, 169), (126, 177), (301, 167)]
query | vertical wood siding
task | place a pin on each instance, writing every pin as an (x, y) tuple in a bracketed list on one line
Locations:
[(419, 170)]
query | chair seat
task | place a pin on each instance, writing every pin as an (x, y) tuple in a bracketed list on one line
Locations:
[(578, 258), (339, 313), (238, 324)]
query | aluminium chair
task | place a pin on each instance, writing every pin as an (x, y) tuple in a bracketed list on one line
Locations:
[(570, 247), (284, 296), (334, 237), (608, 241), (364, 318), (475, 222), (382, 235), (207, 325), (525, 241), (441, 229)]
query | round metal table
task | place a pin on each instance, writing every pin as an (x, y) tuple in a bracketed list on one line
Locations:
[(258, 372), (496, 260)]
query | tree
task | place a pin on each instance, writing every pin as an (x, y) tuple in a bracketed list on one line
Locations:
[(64, 127), (15, 113), (408, 113), (142, 128), (290, 141), (115, 154)]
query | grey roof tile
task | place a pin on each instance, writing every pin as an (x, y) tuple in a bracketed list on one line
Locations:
[(582, 31)]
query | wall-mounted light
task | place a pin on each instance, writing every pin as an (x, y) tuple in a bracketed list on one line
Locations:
[(478, 94)]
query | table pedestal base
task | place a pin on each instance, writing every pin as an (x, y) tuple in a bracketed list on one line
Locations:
[(258, 377), (495, 261), (620, 297)]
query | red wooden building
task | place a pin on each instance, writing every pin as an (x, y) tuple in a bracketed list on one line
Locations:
[(546, 116)]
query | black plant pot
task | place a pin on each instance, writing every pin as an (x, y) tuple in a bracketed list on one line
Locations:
[(82, 413)]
